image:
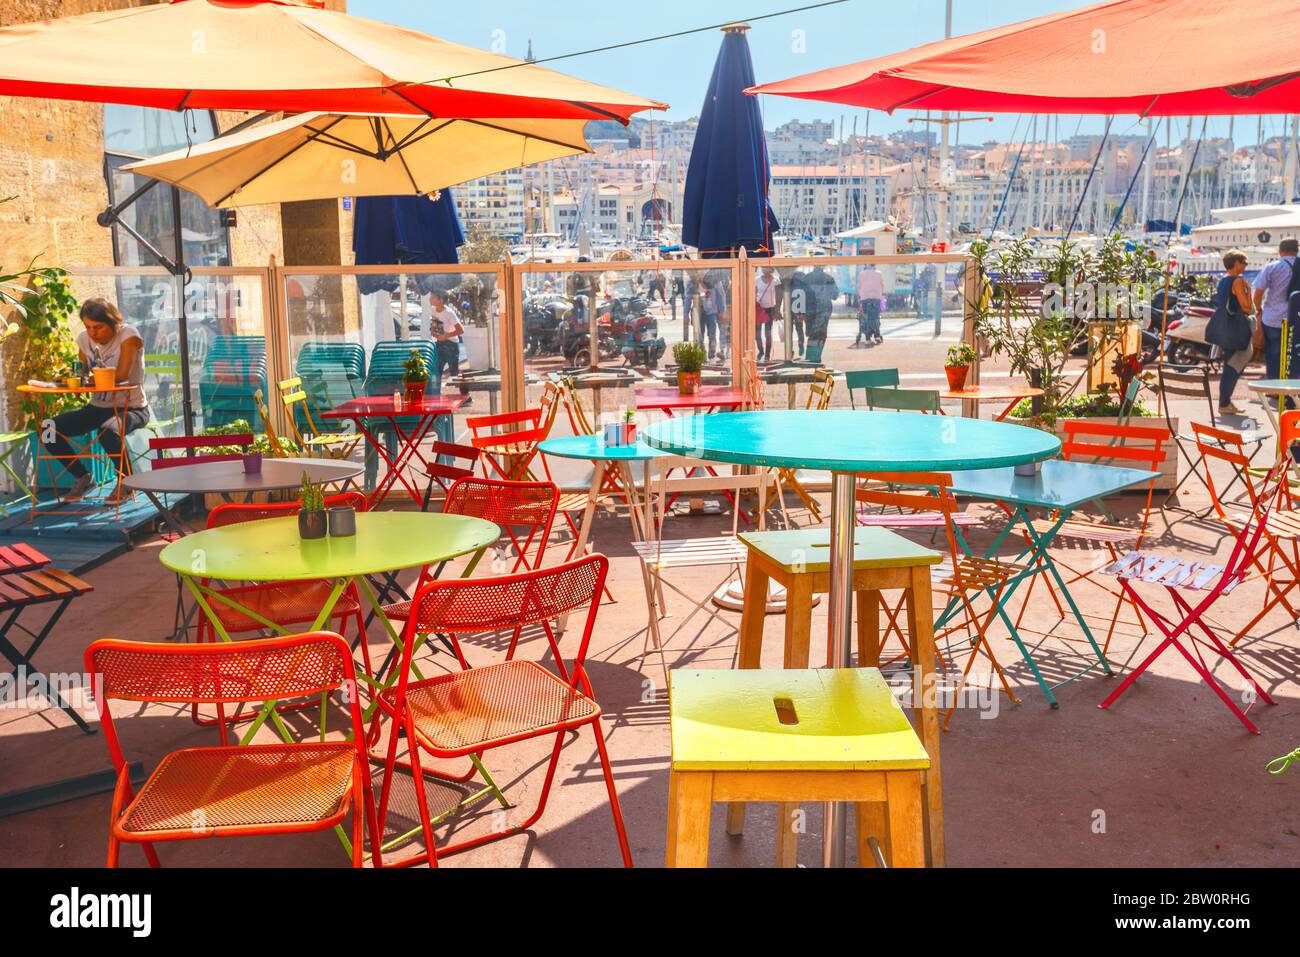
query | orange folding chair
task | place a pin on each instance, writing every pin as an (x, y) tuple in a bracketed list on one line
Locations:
[(1269, 506), (960, 578), (467, 713), (510, 454), (236, 790)]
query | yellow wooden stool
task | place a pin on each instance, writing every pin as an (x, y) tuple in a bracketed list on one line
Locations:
[(883, 560), (790, 736)]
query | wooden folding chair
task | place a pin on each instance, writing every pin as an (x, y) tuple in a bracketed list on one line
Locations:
[(819, 399), (335, 445), (27, 581), (960, 578), (658, 554)]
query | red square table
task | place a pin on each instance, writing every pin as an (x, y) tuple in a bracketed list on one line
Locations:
[(710, 398), (365, 409)]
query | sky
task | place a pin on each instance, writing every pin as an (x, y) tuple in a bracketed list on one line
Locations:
[(676, 71)]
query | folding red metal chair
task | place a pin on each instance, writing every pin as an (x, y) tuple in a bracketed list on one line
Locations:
[(234, 790), (524, 511), (467, 713), (1206, 583), (1269, 501), (441, 473)]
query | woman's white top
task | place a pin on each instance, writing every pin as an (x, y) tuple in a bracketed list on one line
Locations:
[(108, 356)]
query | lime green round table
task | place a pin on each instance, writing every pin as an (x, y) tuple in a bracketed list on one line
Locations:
[(271, 550), (846, 444)]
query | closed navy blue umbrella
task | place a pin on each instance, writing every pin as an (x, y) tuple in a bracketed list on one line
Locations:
[(405, 229), (725, 204)]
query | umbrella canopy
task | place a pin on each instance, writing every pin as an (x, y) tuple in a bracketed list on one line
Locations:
[(725, 201), (1150, 57), (323, 155), (406, 229), (287, 55)]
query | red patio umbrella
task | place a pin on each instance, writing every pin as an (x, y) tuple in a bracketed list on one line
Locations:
[(290, 55), (1150, 57)]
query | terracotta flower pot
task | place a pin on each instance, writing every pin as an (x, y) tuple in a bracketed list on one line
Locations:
[(414, 391), (956, 377), (688, 383), (312, 524)]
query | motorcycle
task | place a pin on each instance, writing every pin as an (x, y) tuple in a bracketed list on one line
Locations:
[(1184, 342), (634, 330), (544, 318)]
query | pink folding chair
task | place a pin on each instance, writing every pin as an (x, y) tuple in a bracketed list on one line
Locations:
[(1194, 587)]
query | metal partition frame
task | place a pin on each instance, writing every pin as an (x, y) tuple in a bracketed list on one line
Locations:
[(509, 279)]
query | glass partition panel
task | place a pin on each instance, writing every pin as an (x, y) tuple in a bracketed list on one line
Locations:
[(226, 324), (350, 331), (899, 315)]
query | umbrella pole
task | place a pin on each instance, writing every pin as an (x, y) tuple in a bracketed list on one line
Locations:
[(181, 272), (840, 613)]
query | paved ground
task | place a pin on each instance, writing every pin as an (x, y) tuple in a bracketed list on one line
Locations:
[(1166, 777)]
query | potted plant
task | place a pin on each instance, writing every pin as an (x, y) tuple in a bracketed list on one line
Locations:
[(312, 520), (960, 358), (252, 463), (416, 377), (629, 427), (689, 357)]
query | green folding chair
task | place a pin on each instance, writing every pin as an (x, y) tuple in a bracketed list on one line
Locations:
[(162, 364), (12, 442), (904, 400), (866, 379)]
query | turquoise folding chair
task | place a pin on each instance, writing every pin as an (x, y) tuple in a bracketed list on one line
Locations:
[(867, 379), (904, 400)]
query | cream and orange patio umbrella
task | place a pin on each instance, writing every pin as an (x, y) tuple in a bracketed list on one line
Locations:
[(322, 155), (289, 55)]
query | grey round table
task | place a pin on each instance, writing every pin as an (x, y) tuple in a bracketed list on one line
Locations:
[(231, 482), (847, 444)]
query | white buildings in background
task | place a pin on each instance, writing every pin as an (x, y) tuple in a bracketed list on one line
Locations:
[(494, 204), (819, 200)]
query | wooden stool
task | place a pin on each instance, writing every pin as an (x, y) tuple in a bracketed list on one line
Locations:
[(882, 561), (790, 736)]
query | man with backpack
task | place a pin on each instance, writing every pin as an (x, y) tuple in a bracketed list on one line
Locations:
[(1274, 287)]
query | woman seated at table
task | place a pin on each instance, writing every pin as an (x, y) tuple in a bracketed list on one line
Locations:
[(107, 342)]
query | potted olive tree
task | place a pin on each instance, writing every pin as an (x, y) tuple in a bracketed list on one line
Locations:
[(960, 358), (312, 520), (689, 357), (415, 379)]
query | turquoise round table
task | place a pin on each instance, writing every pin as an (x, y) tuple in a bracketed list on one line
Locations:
[(613, 465), (847, 443)]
